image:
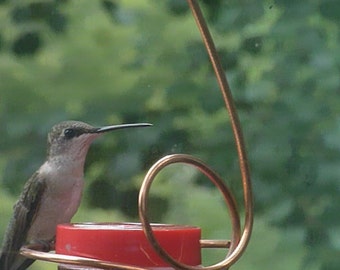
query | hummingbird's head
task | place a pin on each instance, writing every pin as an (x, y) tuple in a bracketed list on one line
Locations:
[(70, 140)]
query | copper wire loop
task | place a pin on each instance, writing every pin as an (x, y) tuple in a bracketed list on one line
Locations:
[(230, 203), (239, 239)]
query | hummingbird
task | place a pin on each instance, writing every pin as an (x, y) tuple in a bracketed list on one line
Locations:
[(53, 193)]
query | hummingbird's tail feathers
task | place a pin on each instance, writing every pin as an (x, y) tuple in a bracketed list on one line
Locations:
[(2, 261), (20, 263), (24, 264), (19, 225), (14, 238)]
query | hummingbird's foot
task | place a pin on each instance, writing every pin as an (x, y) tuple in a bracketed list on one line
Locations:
[(43, 245), (52, 244)]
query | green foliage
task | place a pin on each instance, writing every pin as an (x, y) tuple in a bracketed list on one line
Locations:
[(107, 62)]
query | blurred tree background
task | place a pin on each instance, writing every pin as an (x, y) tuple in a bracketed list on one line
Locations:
[(107, 62)]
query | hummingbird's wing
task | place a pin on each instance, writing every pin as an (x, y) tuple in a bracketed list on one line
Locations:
[(25, 210)]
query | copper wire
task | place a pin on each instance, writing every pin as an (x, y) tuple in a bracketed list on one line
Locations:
[(230, 203), (237, 245), (32, 251)]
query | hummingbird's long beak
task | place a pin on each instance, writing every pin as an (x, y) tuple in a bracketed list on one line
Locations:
[(115, 127)]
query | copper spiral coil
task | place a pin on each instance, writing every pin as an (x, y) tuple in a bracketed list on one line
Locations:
[(229, 199), (239, 239)]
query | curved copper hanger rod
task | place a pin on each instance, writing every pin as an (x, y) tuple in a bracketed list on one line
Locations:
[(235, 122), (238, 243), (236, 126)]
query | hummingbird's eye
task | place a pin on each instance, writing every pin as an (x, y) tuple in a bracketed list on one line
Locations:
[(69, 133)]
